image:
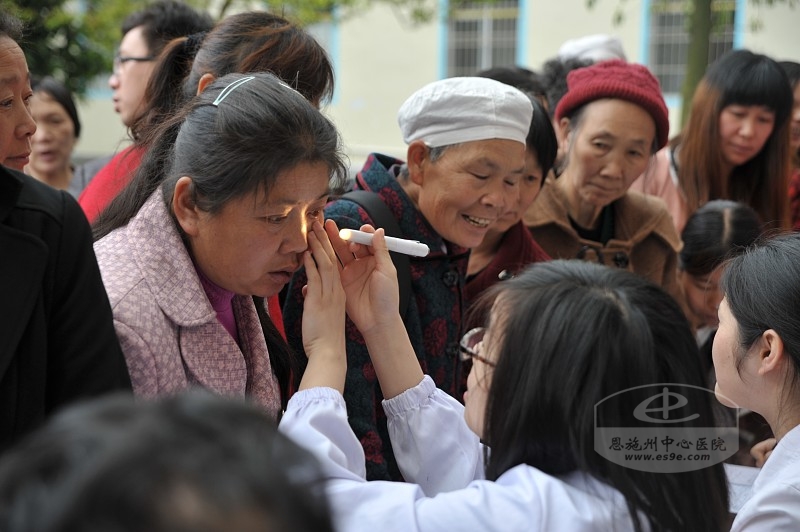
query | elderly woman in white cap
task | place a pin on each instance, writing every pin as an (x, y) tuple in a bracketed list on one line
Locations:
[(465, 158)]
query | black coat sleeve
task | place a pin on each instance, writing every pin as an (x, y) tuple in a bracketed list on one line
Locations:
[(85, 357)]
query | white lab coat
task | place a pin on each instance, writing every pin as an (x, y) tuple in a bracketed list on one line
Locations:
[(441, 460), (775, 503)]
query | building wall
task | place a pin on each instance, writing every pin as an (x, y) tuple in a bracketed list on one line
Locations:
[(380, 58)]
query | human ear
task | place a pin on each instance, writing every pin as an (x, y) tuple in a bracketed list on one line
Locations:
[(416, 160), (771, 354), (564, 130), (204, 82), (184, 207)]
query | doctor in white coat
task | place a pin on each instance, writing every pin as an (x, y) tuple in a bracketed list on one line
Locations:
[(757, 361), (559, 337)]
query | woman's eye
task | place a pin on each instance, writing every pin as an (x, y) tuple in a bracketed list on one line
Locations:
[(6, 103), (315, 213), (276, 219)]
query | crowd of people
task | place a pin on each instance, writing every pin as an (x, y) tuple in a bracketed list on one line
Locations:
[(211, 354)]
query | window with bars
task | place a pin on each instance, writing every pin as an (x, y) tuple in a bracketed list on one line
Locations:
[(669, 39), (482, 36)]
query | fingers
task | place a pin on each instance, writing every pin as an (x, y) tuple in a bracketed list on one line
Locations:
[(762, 450), (320, 261), (340, 247)]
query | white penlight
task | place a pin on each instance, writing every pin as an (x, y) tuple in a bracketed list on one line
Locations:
[(399, 245)]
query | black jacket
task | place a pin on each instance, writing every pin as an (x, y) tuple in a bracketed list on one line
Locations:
[(57, 339)]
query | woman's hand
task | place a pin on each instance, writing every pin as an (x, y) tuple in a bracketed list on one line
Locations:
[(762, 450), (323, 314), (369, 279)]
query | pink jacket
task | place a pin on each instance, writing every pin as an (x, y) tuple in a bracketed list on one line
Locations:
[(168, 330), (660, 180)]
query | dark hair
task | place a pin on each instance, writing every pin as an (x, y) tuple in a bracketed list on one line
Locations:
[(185, 463), (258, 41), (61, 94), (739, 77), (524, 79), (762, 288), (254, 41), (542, 138), (572, 334), (792, 70), (262, 128), (11, 26), (166, 20), (541, 135), (554, 77), (715, 231)]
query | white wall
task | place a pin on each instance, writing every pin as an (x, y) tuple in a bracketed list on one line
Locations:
[(381, 58)]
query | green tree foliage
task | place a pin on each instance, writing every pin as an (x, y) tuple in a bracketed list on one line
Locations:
[(71, 41), (74, 40)]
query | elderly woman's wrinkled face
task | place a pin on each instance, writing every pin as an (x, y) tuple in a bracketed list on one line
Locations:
[(608, 149), (16, 123), (469, 187)]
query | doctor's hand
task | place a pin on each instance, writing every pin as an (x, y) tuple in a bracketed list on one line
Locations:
[(369, 279)]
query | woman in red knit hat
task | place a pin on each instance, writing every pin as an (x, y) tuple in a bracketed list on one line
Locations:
[(734, 146), (611, 122)]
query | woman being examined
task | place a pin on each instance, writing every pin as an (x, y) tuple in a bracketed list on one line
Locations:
[(612, 120), (247, 176)]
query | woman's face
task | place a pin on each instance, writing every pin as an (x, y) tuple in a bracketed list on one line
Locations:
[(54, 139), (479, 383), (703, 296), (608, 149), (255, 243), (734, 385), (16, 124), (795, 124), (743, 131), (529, 187), (469, 187)]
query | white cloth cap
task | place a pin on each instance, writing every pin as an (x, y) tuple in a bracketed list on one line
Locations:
[(594, 48), (456, 110)]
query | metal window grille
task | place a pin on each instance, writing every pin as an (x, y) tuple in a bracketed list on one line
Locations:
[(482, 36), (669, 39)]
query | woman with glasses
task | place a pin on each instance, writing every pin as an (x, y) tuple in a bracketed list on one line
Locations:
[(611, 122), (519, 454)]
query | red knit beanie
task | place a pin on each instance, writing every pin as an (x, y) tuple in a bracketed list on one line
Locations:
[(621, 80)]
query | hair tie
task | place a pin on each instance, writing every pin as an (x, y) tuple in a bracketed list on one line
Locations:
[(194, 41)]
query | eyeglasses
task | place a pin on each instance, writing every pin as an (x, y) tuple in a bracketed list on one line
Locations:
[(468, 346), (120, 60)]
